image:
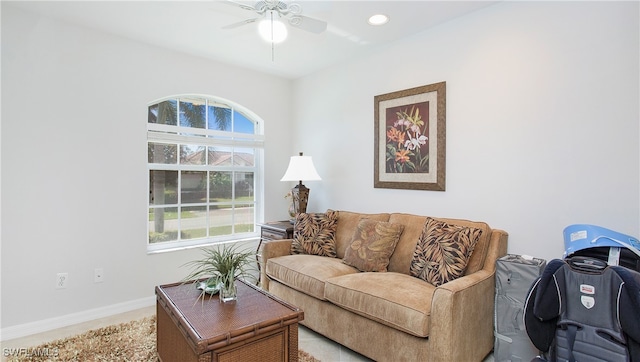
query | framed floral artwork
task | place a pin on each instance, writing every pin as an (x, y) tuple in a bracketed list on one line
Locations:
[(410, 136)]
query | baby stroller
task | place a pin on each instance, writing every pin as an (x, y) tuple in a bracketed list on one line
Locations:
[(586, 307)]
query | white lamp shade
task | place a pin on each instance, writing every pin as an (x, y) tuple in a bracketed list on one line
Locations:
[(271, 29), (301, 169)]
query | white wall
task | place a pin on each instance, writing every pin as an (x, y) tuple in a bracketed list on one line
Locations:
[(542, 121), (74, 106)]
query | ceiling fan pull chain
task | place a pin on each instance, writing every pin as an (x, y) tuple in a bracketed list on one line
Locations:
[(272, 42)]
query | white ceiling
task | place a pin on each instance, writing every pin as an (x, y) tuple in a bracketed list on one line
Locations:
[(195, 27)]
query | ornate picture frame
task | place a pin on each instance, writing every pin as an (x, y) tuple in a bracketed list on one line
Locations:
[(410, 138)]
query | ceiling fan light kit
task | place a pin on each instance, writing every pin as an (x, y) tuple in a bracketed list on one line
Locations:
[(272, 29)]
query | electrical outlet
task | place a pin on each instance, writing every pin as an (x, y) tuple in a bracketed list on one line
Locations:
[(61, 280), (98, 275)]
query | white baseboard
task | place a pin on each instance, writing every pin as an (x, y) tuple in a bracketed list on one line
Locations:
[(45, 325)]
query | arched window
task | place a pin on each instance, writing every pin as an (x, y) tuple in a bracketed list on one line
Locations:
[(205, 171)]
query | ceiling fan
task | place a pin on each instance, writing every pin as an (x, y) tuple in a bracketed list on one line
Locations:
[(273, 9)]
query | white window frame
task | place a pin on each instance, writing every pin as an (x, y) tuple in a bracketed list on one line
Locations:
[(160, 133)]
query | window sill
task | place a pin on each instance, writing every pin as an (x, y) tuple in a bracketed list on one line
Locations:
[(159, 248)]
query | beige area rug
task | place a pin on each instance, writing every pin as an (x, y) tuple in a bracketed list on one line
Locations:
[(133, 341)]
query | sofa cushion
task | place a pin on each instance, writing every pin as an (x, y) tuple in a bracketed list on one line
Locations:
[(393, 299), (347, 222), (314, 234), (372, 244), (306, 273), (401, 258), (443, 251)]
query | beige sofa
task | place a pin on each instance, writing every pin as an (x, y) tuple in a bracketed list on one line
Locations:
[(391, 316)]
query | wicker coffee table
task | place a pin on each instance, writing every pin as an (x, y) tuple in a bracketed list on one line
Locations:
[(256, 327)]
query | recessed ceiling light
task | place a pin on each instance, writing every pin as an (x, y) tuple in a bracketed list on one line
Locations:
[(378, 19)]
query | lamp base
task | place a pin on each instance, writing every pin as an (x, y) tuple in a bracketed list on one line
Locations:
[(300, 195)]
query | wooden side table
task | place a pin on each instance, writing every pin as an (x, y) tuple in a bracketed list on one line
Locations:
[(275, 230), (255, 327)]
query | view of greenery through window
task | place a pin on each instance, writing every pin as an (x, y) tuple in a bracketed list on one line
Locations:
[(203, 158)]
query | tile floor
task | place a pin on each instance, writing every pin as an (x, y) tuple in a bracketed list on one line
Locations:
[(309, 341)]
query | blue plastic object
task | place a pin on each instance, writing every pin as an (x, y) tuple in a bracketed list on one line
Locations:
[(583, 236)]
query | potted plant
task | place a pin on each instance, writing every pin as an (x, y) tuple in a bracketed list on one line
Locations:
[(219, 268)]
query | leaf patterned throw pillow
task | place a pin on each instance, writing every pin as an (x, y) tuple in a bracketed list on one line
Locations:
[(443, 251), (372, 245), (314, 234)]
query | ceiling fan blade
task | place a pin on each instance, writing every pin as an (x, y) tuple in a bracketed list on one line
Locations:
[(308, 24), (240, 23), (240, 5)]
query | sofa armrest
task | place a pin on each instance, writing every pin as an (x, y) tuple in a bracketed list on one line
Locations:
[(462, 317), (462, 310), (271, 249)]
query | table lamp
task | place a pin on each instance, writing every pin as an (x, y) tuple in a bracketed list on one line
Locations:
[(300, 169)]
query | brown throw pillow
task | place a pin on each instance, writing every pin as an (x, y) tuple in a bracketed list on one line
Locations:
[(314, 234), (443, 251), (372, 244)]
